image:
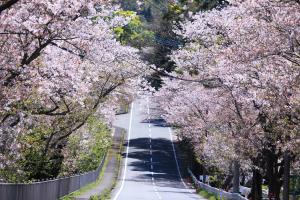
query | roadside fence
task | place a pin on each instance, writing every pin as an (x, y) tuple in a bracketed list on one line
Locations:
[(216, 191), (50, 189)]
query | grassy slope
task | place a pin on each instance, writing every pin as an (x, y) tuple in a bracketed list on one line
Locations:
[(87, 187)]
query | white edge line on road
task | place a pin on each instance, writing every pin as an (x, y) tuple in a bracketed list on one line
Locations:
[(177, 165), (127, 151)]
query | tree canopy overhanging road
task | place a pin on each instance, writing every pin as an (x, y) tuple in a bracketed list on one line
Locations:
[(151, 170), (224, 74)]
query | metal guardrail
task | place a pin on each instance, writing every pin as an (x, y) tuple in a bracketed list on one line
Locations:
[(218, 192), (50, 189)]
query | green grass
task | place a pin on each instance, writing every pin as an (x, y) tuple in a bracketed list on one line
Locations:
[(87, 187), (106, 193), (207, 195)]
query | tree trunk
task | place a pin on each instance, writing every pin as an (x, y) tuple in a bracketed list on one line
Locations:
[(256, 188), (236, 177), (286, 176), (273, 175), (227, 182)]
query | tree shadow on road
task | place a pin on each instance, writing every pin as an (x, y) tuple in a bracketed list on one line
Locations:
[(163, 161)]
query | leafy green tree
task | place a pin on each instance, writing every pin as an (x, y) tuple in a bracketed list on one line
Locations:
[(135, 32), (152, 27), (85, 150)]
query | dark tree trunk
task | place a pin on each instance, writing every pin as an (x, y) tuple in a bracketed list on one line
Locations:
[(286, 176), (236, 177), (256, 188), (227, 182), (273, 175)]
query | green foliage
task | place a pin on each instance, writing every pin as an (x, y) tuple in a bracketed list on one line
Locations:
[(174, 8), (34, 162), (174, 12), (88, 187), (86, 150), (98, 145), (125, 13), (134, 33), (93, 198), (215, 180), (129, 4), (197, 5), (40, 161), (207, 195)]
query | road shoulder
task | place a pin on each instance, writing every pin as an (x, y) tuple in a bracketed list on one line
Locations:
[(110, 174)]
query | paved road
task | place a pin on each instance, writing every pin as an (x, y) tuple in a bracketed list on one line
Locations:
[(150, 170)]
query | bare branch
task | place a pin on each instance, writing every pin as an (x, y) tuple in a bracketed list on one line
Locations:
[(7, 5)]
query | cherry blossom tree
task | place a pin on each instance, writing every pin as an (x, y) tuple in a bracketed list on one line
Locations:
[(60, 64), (247, 108)]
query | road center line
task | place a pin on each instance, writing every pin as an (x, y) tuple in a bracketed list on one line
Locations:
[(152, 173), (158, 195), (127, 152)]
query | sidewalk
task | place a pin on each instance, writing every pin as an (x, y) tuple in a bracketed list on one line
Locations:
[(110, 173)]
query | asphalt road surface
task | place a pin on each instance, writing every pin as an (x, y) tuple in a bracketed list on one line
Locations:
[(150, 168)]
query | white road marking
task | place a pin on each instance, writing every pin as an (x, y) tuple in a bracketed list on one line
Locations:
[(158, 195), (177, 165), (127, 151), (148, 108), (149, 126), (156, 192)]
